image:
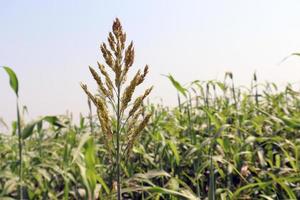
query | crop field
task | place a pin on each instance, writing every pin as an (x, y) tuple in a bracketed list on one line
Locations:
[(221, 141)]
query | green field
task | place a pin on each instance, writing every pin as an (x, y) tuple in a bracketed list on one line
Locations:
[(221, 141)]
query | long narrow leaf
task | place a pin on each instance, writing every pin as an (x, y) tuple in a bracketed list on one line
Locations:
[(13, 80)]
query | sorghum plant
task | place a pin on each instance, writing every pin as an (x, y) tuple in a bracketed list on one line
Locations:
[(129, 115)]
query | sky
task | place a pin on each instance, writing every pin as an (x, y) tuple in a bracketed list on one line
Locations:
[(51, 43)]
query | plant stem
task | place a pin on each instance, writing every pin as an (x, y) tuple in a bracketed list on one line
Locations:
[(90, 116), (20, 151), (212, 189), (238, 123), (118, 144)]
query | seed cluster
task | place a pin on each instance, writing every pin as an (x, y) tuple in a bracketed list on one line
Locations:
[(119, 59)]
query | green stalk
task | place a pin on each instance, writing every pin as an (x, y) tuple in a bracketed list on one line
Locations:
[(238, 120), (20, 151), (179, 102), (118, 145), (193, 136), (212, 189), (256, 90), (14, 84), (90, 116)]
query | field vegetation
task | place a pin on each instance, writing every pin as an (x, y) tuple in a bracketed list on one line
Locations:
[(221, 141)]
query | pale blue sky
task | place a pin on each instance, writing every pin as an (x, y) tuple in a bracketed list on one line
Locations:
[(50, 44)]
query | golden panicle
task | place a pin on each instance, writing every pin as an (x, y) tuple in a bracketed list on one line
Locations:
[(101, 105), (118, 73), (95, 76), (117, 28), (108, 57), (120, 59), (138, 102), (118, 32), (128, 61), (99, 82), (136, 132), (137, 80), (103, 116), (111, 41), (102, 122), (142, 78), (128, 92), (129, 55), (142, 125), (101, 111), (134, 118), (108, 81), (123, 40), (118, 50), (105, 127), (84, 87), (118, 65)]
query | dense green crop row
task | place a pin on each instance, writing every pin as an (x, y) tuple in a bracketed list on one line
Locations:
[(242, 142), (220, 142)]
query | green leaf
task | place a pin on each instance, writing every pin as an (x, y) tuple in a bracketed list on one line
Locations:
[(183, 194), (248, 186), (53, 120), (28, 130), (173, 147), (177, 85), (295, 54), (282, 183), (77, 151), (14, 127), (102, 182), (13, 80), (266, 197), (152, 174), (90, 153), (293, 123)]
